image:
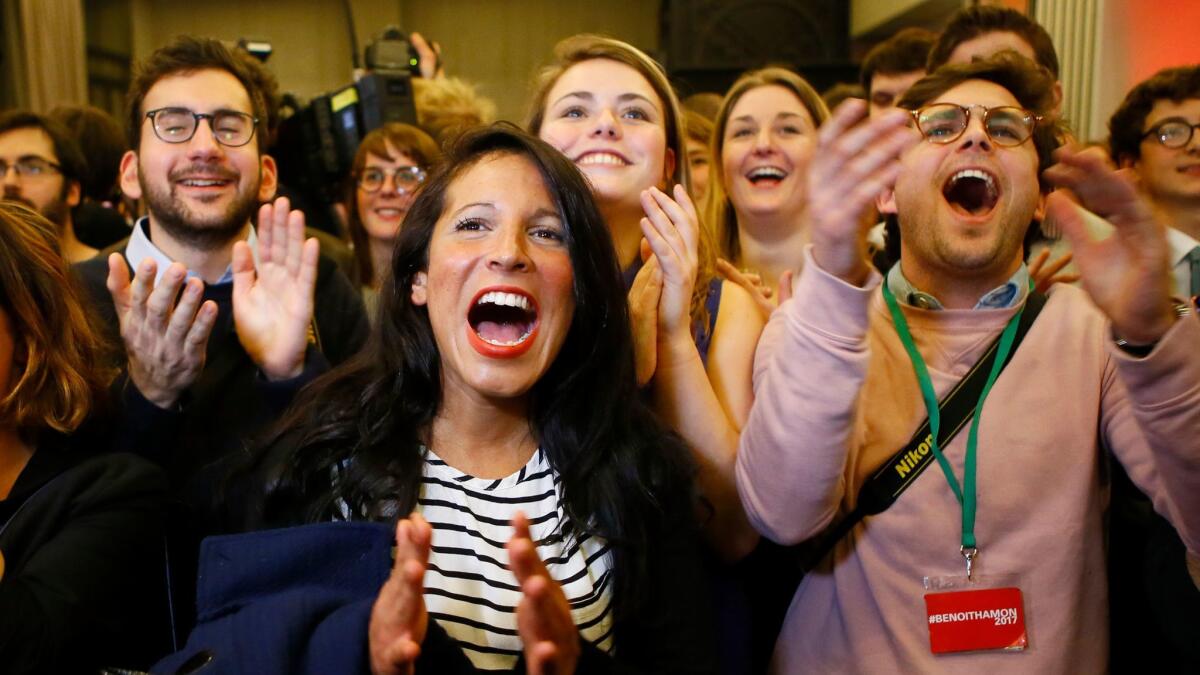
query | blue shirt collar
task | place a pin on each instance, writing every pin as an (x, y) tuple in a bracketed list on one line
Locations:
[(1009, 294), (140, 247)]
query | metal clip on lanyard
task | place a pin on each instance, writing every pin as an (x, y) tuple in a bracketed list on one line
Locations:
[(965, 494)]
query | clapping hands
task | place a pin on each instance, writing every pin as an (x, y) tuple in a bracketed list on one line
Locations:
[(399, 620), (1127, 273)]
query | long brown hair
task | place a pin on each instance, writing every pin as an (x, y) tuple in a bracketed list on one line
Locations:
[(57, 356), (718, 210), (587, 47), (403, 138)]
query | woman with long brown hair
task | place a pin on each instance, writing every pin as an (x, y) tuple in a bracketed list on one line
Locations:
[(80, 530), (609, 108), (764, 137)]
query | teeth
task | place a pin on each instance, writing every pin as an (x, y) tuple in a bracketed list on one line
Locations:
[(505, 299), (506, 344), (767, 172), (975, 173), (601, 158), (203, 183)]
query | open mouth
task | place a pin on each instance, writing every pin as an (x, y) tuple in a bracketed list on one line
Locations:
[(766, 176), (204, 182), (391, 214), (601, 159), (503, 322), (971, 192)]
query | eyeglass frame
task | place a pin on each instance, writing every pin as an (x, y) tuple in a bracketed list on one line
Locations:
[(1157, 131), (412, 169), (16, 166), (1033, 118), (211, 117)]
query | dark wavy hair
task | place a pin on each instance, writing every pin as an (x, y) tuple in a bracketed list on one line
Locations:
[(905, 52), (188, 54), (102, 141), (1126, 127), (971, 22), (352, 443)]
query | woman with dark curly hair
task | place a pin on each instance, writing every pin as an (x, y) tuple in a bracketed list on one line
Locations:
[(80, 531)]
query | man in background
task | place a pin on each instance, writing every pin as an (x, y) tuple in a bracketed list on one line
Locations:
[(893, 65), (43, 169)]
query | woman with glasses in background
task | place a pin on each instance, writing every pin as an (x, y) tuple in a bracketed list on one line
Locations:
[(390, 165)]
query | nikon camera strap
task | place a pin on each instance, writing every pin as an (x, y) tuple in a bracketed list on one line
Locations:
[(957, 407)]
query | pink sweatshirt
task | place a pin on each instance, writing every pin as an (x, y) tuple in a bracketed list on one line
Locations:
[(835, 395)]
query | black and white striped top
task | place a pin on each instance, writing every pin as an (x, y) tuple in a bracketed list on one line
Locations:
[(469, 589)]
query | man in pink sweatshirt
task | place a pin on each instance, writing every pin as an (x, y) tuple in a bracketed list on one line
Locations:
[(1109, 370)]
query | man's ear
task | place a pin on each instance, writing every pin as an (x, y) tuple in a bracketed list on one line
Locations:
[(130, 186), (74, 193), (268, 181), (1058, 98), (1039, 210), (420, 294), (885, 201)]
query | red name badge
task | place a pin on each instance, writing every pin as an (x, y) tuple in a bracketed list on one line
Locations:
[(961, 621)]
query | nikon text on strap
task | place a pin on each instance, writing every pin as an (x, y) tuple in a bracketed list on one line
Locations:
[(957, 407)]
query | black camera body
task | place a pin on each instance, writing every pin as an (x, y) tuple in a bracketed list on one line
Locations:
[(316, 144), (392, 51)]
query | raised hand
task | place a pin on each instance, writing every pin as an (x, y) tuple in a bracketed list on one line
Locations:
[(273, 305), (544, 622), (763, 297), (164, 341), (644, 297), (1127, 273), (429, 56), (672, 229), (1044, 278), (398, 619), (855, 161)]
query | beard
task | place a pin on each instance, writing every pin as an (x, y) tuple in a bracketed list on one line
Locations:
[(200, 231), (942, 245), (55, 211)]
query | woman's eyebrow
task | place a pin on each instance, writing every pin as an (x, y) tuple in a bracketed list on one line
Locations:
[(464, 207)]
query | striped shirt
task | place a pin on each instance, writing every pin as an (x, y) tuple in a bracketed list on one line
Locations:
[(469, 589)]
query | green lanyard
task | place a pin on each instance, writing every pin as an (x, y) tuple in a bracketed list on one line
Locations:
[(965, 494)]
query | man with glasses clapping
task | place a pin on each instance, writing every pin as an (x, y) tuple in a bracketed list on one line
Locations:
[(222, 320)]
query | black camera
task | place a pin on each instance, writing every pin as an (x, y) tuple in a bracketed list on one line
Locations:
[(316, 144), (393, 52)]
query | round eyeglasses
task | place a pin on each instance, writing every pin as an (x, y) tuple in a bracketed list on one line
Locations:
[(405, 178), (1173, 132), (1007, 126), (177, 125)]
